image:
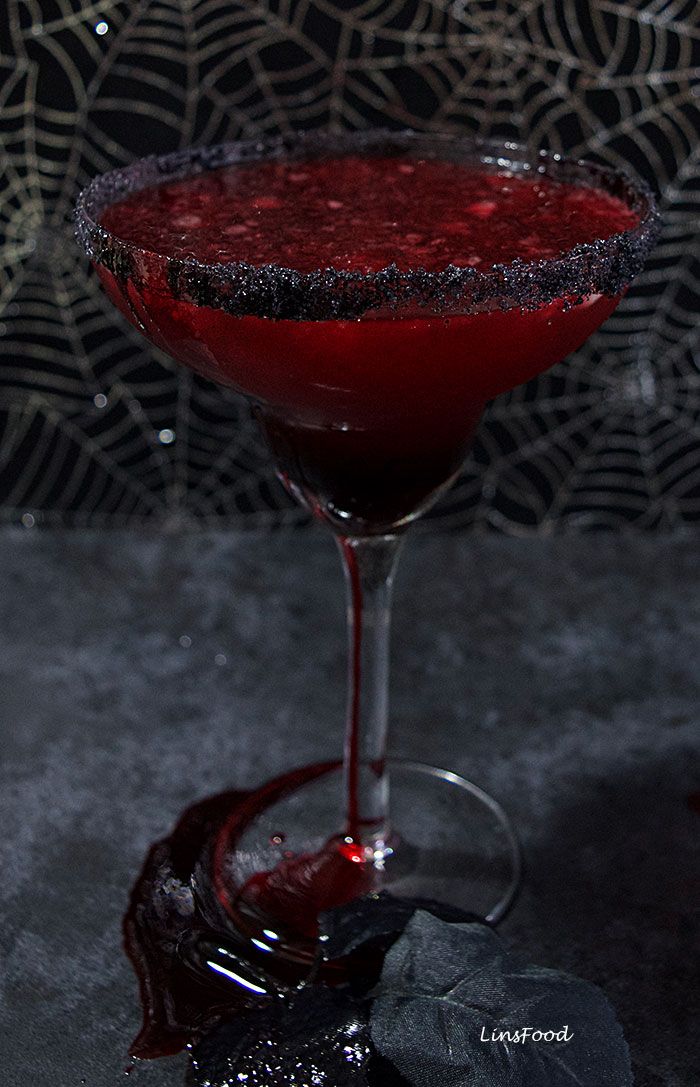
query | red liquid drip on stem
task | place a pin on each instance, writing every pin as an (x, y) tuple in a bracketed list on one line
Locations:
[(302, 886), (352, 750)]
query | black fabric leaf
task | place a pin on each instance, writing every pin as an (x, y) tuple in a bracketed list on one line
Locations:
[(443, 984), (375, 921), (318, 1036)]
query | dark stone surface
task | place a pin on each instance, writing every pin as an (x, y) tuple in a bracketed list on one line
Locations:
[(560, 674)]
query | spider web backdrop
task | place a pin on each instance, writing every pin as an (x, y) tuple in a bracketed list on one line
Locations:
[(99, 427)]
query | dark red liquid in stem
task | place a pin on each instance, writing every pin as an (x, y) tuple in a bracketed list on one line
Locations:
[(352, 750)]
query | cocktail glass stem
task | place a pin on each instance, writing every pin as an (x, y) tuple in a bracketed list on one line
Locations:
[(369, 563)]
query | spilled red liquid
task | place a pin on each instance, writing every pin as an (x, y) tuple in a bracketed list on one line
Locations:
[(290, 895), (178, 1005), (182, 902), (302, 887)]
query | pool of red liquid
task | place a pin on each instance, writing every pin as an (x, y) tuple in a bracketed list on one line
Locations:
[(182, 900)]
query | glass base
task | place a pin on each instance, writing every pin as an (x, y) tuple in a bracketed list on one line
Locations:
[(275, 870)]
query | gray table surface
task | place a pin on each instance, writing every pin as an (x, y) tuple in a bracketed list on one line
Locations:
[(560, 674)]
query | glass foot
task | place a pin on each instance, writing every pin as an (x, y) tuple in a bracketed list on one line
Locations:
[(274, 870)]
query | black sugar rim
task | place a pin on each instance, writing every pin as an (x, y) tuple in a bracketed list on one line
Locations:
[(605, 266)]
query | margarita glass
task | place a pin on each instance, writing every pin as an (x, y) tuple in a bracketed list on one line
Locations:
[(368, 293)]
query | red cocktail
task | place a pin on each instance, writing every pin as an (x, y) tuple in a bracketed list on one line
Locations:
[(368, 293)]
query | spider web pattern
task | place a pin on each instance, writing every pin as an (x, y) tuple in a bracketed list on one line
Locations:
[(96, 426)]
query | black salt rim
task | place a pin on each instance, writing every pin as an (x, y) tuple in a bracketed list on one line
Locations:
[(604, 266)]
